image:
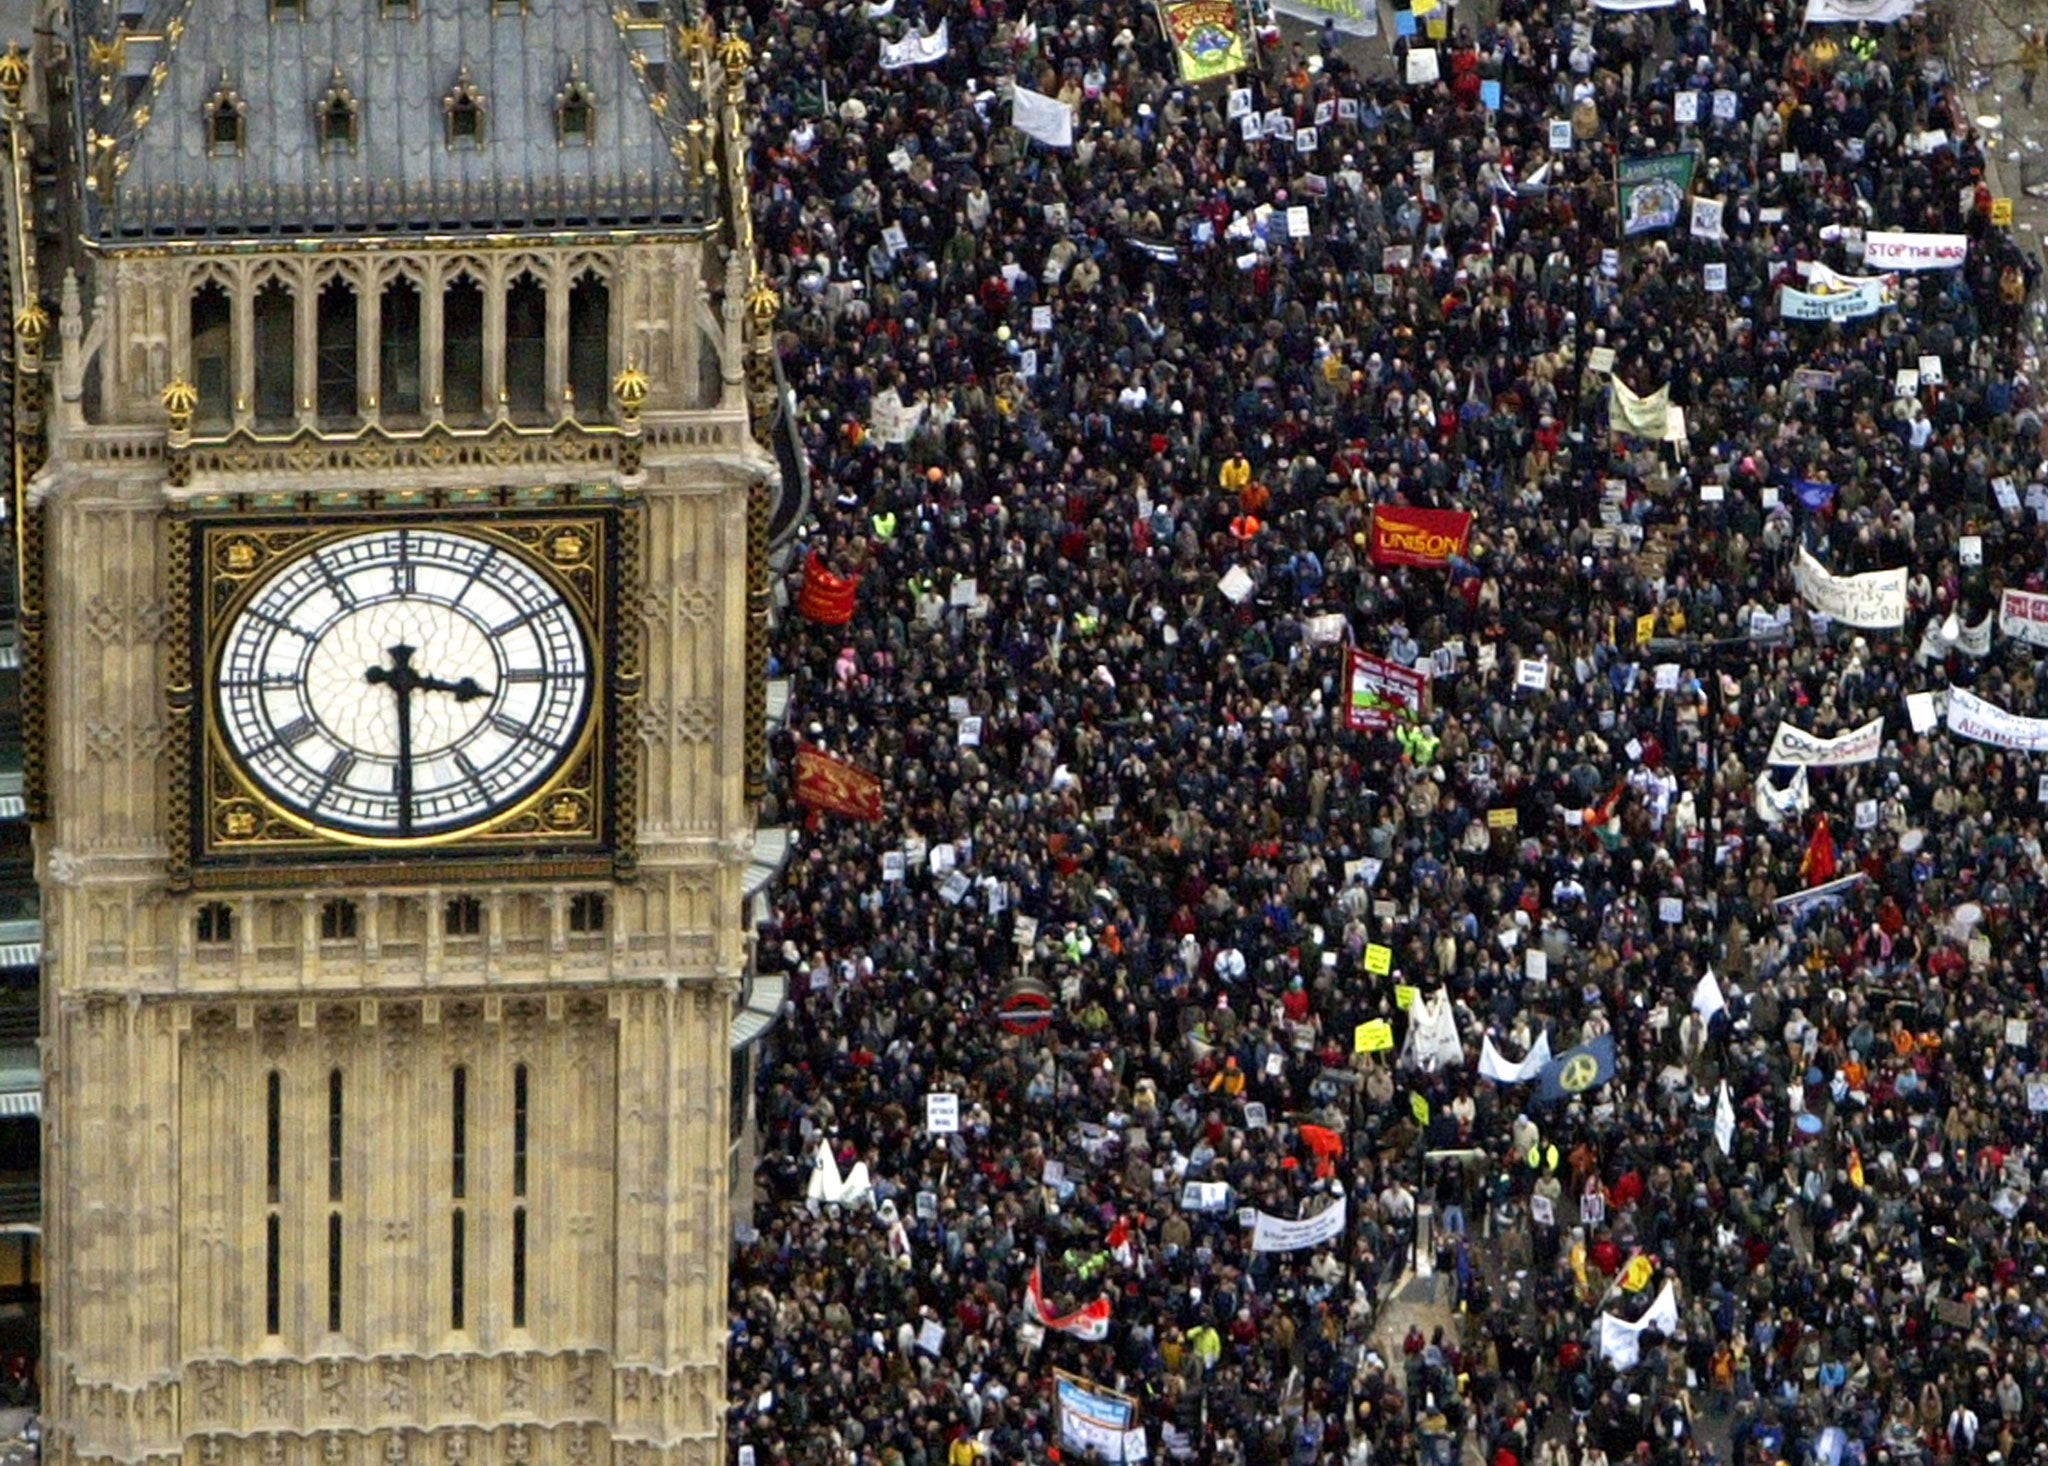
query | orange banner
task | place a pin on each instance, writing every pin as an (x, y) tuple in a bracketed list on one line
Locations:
[(1403, 536), (828, 783)]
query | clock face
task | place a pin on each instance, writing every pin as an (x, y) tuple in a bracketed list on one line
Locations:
[(403, 683)]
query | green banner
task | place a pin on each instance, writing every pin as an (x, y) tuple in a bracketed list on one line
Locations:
[(1205, 38), (1652, 191)]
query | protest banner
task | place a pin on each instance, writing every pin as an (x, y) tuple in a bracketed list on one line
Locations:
[(1644, 416), (1378, 693), (1651, 191), (2023, 616), (1899, 250), (1970, 716), (1205, 38), (1797, 746), (1094, 1418), (1427, 537), (1874, 601), (916, 49), (1277, 1234)]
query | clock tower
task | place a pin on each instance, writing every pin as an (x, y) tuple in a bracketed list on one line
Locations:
[(392, 516)]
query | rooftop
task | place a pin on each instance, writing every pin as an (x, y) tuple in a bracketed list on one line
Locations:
[(253, 118)]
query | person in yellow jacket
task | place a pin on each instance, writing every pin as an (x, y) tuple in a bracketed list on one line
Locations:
[(1417, 742), (1207, 1344), (1235, 473), (1229, 1079)]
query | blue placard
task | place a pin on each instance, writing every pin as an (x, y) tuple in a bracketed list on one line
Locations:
[(1404, 22), (1489, 95)]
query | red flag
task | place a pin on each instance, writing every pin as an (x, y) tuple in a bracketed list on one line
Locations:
[(1817, 866), (825, 782), (826, 597), (1120, 1242), (1090, 1321), (1327, 1145)]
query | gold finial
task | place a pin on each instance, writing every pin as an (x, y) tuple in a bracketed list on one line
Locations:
[(736, 55), (762, 304), (14, 73), (630, 387), (180, 399), (32, 324)]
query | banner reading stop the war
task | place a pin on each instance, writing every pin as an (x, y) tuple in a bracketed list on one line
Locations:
[(1404, 536)]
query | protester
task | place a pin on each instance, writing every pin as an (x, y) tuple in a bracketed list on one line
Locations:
[(1096, 439)]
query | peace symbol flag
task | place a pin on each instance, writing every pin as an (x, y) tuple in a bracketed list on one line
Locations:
[(1575, 1071)]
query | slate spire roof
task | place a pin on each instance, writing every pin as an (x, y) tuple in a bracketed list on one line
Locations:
[(386, 116)]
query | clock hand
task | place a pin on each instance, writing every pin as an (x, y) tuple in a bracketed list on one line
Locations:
[(402, 680), (465, 689)]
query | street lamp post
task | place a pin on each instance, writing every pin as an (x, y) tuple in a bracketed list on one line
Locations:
[(1707, 651)]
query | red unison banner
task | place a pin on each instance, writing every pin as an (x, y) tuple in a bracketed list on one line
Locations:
[(1402, 536)]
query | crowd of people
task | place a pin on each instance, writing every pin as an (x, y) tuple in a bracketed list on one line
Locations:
[(1100, 434)]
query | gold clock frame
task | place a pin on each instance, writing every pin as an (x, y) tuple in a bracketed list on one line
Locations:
[(225, 830)]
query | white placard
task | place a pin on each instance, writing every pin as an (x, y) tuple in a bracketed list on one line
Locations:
[(941, 1113), (931, 1337), (1236, 584), (1921, 711), (892, 865), (1422, 68), (1685, 107), (1560, 136), (1715, 278), (1670, 910), (1531, 675), (1866, 814), (970, 732), (955, 888), (1041, 318), (1541, 1212), (1297, 217), (1667, 677), (1970, 550), (1930, 370)]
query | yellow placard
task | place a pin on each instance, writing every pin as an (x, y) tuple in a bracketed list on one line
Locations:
[(1372, 1038), (1419, 1107), (1503, 819), (1646, 627), (1436, 27), (2001, 212), (1379, 961), (1404, 996)]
